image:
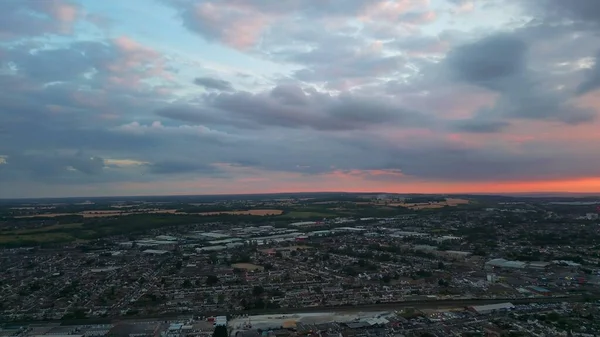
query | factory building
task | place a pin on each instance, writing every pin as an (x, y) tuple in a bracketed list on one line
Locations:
[(491, 308)]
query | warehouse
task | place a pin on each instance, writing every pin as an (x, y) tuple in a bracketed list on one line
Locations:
[(155, 252), (503, 263), (490, 308)]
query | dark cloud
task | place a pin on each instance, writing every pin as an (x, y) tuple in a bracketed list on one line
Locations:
[(291, 106), (29, 18), (179, 167), (492, 62), (575, 10), (213, 84), (501, 63)]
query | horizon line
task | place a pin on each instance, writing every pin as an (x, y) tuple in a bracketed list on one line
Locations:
[(502, 194)]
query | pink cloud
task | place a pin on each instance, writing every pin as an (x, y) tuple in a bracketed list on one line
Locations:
[(393, 11), (64, 12), (136, 63), (237, 25)]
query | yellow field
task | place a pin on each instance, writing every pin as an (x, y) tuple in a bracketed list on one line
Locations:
[(248, 266)]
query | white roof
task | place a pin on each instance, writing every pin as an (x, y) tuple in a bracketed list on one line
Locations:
[(155, 251), (491, 307)]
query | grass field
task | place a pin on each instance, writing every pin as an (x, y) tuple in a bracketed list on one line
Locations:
[(43, 229), (307, 215), (258, 212), (38, 238)]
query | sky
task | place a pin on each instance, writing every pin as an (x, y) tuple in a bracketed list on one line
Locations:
[(158, 97)]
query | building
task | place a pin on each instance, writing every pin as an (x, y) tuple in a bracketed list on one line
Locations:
[(539, 290), (155, 252), (490, 308), (538, 265), (503, 263), (220, 321)]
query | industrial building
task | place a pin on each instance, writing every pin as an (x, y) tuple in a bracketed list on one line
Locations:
[(490, 308), (503, 263), (155, 251)]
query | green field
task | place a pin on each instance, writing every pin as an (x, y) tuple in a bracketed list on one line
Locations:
[(35, 238), (306, 215), (51, 228)]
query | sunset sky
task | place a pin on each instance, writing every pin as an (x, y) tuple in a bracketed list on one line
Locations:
[(149, 97)]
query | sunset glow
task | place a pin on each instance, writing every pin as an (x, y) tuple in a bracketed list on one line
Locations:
[(146, 97)]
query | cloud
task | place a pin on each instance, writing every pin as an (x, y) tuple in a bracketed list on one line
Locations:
[(213, 84), (351, 94), (491, 62), (291, 106), (29, 18), (477, 126), (183, 167), (592, 80), (556, 10), (500, 63), (123, 163)]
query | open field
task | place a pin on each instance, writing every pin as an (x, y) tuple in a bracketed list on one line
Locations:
[(38, 238), (452, 202), (307, 215), (259, 212), (43, 229), (100, 213), (248, 266)]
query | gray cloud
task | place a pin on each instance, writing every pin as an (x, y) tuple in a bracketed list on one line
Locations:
[(500, 63), (291, 106), (29, 18), (343, 101), (481, 126), (180, 167), (592, 80), (213, 84), (558, 10), (493, 62)]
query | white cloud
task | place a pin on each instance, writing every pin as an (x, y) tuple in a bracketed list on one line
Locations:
[(124, 163)]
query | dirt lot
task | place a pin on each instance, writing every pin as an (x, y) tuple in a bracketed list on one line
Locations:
[(248, 266)]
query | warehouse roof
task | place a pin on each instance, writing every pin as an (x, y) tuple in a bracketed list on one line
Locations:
[(491, 307)]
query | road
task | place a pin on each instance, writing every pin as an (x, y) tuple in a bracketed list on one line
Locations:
[(427, 304)]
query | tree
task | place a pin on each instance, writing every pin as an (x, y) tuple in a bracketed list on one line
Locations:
[(257, 290), (187, 284), (179, 264), (441, 265), (211, 280), (220, 331)]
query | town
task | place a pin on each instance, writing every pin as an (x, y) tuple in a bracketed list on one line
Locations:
[(328, 265)]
